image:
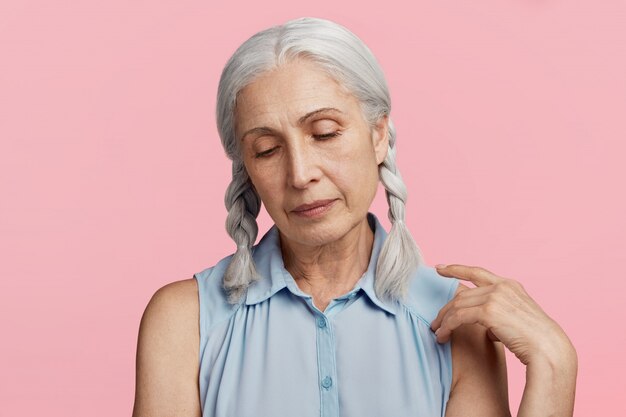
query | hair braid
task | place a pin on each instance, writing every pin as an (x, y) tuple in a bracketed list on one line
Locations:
[(243, 205), (400, 255)]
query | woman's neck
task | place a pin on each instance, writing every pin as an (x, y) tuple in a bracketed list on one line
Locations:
[(329, 271)]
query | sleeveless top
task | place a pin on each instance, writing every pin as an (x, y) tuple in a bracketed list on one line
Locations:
[(275, 354)]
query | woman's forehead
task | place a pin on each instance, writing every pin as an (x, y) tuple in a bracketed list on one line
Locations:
[(290, 92)]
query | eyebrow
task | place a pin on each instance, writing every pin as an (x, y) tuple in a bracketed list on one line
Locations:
[(301, 121)]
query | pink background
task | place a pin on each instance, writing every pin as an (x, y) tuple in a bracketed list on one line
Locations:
[(511, 120)]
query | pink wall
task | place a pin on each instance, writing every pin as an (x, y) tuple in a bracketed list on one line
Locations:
[(511, 120)]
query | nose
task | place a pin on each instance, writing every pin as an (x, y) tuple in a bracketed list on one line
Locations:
[(303, 166)]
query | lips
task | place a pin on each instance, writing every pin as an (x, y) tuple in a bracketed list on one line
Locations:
[(309, 206)]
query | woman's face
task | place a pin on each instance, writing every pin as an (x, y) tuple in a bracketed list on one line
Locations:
[(297, 153)]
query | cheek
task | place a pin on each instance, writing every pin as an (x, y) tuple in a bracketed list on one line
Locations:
[(353, 168), (362, 156), (268, 186)]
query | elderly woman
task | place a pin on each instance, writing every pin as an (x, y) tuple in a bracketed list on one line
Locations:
[(328, 315)]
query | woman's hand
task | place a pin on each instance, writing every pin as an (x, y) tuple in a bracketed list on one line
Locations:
[(506, 310), (512, 317)]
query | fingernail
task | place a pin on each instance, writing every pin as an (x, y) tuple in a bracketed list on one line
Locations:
[(440, 266), (437, 331)]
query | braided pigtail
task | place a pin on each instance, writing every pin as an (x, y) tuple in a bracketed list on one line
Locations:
[(243, 205), (400, 255)]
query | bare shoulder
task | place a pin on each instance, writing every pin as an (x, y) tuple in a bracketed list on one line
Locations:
[(178, 297), (172, 313), (479, 377), (167, 353)]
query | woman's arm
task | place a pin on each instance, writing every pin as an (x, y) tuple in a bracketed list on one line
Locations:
[(167, 353), (551, 381), (479, 378)]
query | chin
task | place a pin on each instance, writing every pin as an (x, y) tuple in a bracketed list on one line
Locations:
[(318, 233)]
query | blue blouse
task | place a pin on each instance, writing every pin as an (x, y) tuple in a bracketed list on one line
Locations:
[(275, 354)]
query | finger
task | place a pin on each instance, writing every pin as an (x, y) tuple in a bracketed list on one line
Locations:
[(463, 300), (469, 315), (472, 291), (475, 274)]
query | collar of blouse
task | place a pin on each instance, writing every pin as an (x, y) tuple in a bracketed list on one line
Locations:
[(274, 277)]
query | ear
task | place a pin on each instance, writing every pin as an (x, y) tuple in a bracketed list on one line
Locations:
[(380, 138)]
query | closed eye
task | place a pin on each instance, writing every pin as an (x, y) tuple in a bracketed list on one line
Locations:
[(265, 153), (327, 136)]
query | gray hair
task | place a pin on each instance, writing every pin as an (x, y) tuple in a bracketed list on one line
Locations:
[(348, 60)]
